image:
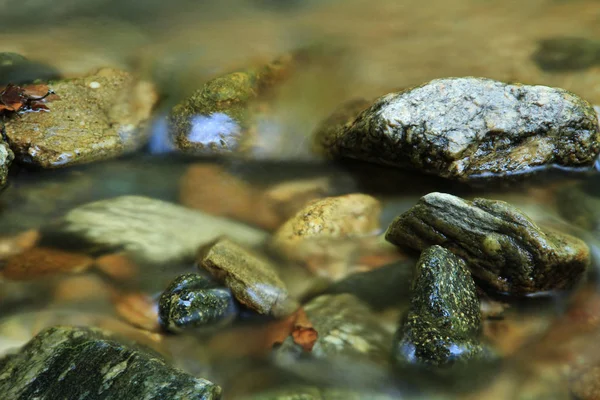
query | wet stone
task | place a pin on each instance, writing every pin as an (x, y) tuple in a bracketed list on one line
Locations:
[(148, 230), (40, 262), (217, 118), (567, 53), (16, 69), (192, 301), (505, 250), (443, 324), (92, 118), (6, 158), (252, 279), (315, 393), (471, 128), (54, 364)]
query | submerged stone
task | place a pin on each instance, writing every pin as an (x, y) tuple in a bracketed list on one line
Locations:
[(6, 158), (16, 69), (216, 118), (443, 324), (90, 119), (149, 230), (567, 53), (192, 301), (470, 128), (504, 249), (253, 280), (88, 364)]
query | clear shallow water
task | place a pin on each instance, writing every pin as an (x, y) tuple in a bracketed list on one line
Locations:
[(378, 47)]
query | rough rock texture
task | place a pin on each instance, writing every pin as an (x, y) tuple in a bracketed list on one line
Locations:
[(149, 230), (347, 328), (253, 280), (502, 246), (468, 128), (92, 118), (217, 117), (6, 158), (567, 53), (322, 232), (86, 364), (193, 301), (443, 325)]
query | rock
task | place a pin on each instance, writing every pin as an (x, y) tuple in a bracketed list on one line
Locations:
[(504, 249), (192, 301), (324, 229), (347, 328), (216, 119), (566, 53), (82, 363), (443, 324), (90, 119), (16, 69), (469, 128), (148, 230), (253, 280), (40, 262), (315, 393), (6, 158)]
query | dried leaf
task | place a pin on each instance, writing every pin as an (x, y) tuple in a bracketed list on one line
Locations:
[(138, 309), (14, 98), (304, 333)]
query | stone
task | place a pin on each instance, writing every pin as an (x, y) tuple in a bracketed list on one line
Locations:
[(566, 53), (148, 230), (85, 363), (505, 250), (216, 119), (471, 128), (347, 329), (252, 279), (316, 393), (443, 324), (92, 118), (6, 158), (192, 301), (41, 262), (16, 69), (325, 229)]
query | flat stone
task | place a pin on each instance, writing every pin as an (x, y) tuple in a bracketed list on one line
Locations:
[(92, 118), (6, 158), (504, 249), (149, 230), (40, 262), (470, 128), (443, 324), (88, 364), (252, 279)]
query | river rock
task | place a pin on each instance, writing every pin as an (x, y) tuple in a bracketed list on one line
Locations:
[(6, 158), (149, 230), (16, 69), (469, 128), (192, 301), (567, 53), (82, 363), (92, 118), (216, 119), (252, 279), (504, 249), (443, 324)]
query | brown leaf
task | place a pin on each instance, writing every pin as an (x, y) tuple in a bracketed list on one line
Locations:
[(303, 332), (38, 262), (138, 309), (12, 98)]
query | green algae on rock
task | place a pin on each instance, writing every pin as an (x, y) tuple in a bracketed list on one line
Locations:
[(84, 363), (6, 158), (150, 230), (471, 128), (94, 118), (504, 249), (443, 325), (253, 280), (192, 301), (216, 118), (567, 53)]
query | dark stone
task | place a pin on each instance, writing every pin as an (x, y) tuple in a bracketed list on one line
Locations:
[(443, 325), (16, 69), (504, 249), (470, 129), (192, 301), (88, 364), (567, 53)]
